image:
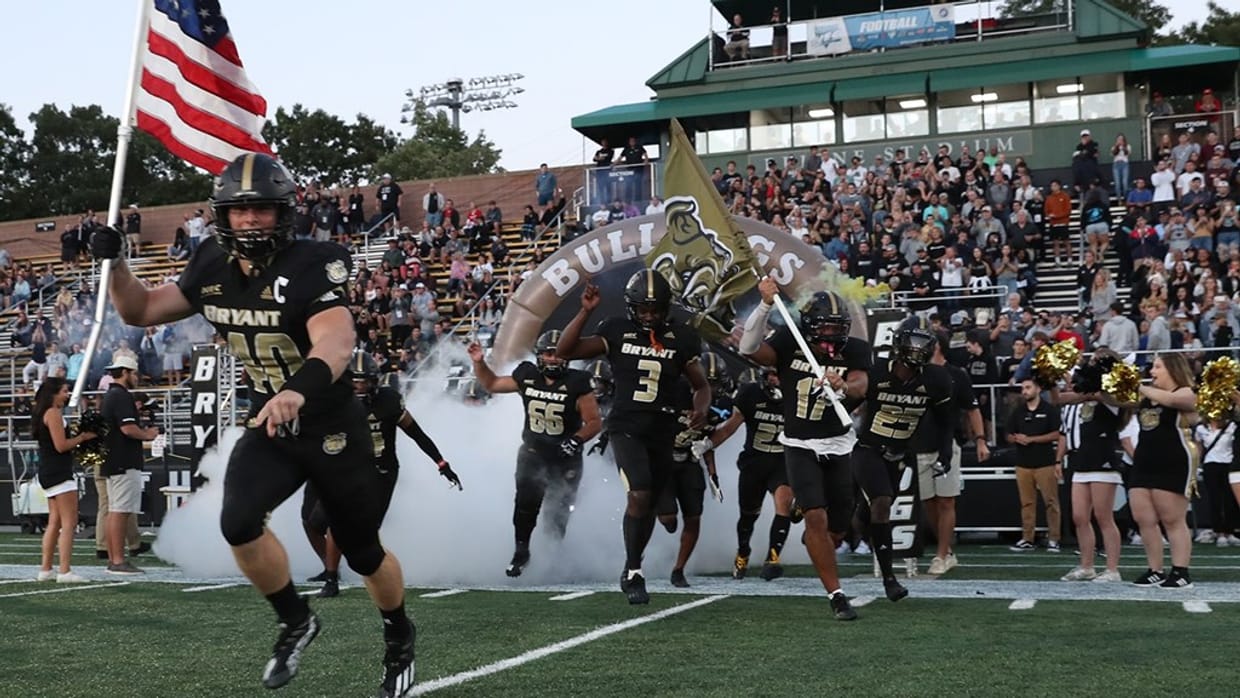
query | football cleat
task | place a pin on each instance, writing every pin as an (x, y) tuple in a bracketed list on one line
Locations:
[(398, 667), (318, 578), (894, 589), (797, 515), (520, 559), (678, 579), (634, 587), (771, 569), (286, 655), (740, 566), (841, 608)]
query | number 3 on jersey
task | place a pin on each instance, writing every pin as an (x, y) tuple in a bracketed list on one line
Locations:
[(649, 380)]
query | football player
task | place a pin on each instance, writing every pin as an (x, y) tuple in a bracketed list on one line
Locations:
[(561, 415), (385, 411), (648, 352), (686, 489), (759, 405), (902, 390), (282, 306), (817, 442), (604, 391)]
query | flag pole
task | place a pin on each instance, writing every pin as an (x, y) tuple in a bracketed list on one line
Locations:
[(123, 134)]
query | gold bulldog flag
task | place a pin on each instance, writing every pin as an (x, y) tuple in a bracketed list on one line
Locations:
[(704, 256)]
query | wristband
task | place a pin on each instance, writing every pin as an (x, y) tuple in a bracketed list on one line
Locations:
[(442, 464), (311, 380)]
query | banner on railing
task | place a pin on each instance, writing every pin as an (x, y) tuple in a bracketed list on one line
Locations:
[(865, 32), (205, 396)]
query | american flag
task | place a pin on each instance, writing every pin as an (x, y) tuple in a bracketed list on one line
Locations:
[(193, 94)]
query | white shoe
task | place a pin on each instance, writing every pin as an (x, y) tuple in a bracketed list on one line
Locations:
[(937, 566), (1222, 541), (910, 567), (1232, 540), (843, 549), (1135, 540), (1108, 576), (1079, 574), (70, 578), (950, 562), (1205, 536), (861, 549), (46, 576)]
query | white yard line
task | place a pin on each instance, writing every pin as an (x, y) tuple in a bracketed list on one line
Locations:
[(64, 587), (1197, 607), (863, 601), (212, 587), (441, 594), (1022, 604), (571, 596), (557, 647)]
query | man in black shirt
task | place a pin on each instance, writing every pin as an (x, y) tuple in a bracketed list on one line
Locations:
[(282, 306), (389, 195), (561, 415), (1034, 429), (603, 158), (133, 228), (648, 352), (634, 157), (123, 465)]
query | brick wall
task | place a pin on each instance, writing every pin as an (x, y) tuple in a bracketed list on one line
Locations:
[(510, 190)]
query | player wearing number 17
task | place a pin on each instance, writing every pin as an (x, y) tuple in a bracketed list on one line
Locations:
[(648, 352), (561, 415), (817, 443), (283, 307)]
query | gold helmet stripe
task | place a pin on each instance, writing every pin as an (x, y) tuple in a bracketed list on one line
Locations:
[(247, 172)]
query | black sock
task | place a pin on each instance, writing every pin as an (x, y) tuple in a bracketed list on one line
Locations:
[(523, 523), (744, 532), (636, 534), (1182, 571), (396, 625), (779, 536), (290, 607), (332, 575), (880, 541)]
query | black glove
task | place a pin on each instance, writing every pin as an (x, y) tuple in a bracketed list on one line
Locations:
[(600, 445), (106, 243), (941, 469), (571, 447), (449, 474)]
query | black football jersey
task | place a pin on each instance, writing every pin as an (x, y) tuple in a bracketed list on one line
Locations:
[(645, 375), (926, 438), (764, 420), (894, 409), (808, 414), (551, 413), (1100, 426), (263, 318), (720, 410), (384, 411)]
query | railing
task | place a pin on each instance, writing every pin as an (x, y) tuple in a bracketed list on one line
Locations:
[(634, 184), (830, 36), (987, 297)]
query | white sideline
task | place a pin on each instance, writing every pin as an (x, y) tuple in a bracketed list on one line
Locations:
[(1197, 607), (554, 648), (60, 588), (1022, 604), (570, 596), (863, 601), (441, 594), (211, 587)]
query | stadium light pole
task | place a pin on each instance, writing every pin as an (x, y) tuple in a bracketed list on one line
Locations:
[(487, 93)]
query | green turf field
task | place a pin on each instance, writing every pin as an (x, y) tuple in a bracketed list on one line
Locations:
[(142, 638)]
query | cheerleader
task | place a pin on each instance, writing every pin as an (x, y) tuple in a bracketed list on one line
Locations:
[(56, 477), (1215, 440), (1094, 466), (1164, 469)]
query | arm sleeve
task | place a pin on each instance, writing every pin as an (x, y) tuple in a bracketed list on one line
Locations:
[(423, 441), (755, 330)]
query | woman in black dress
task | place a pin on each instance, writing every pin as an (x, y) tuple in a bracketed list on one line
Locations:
[(56, 476)]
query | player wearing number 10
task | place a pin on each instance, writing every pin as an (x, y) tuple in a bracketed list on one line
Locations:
[(283, 308), (561, 415), (648, 352)]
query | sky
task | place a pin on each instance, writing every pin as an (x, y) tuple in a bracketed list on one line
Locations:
[(577, 56)]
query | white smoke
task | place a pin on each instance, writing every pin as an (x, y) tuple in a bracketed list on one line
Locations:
[(448, 538)]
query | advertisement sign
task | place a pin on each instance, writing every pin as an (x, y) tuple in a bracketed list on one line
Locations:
[(205, 392), (1010, 143), (882, 30)]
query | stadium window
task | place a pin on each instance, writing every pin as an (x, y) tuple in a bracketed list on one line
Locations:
[(960, 111), (907, 116), (1006, 106), (1102, 97), (813, 124), (863, 121), (1057, 100), (727, 140), (770, 129)]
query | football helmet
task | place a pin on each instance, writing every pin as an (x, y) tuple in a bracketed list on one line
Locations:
[(549, 364), (254, 179), (913, 344), (648, 297), (600, 379), (825, 323), (716, 373), (365, 374)]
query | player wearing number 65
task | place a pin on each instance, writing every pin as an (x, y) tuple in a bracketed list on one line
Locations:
[(561, 415), (648, 352), (283, 309)]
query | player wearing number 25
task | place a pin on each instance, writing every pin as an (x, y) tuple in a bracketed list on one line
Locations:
[(561, 415), (283, 307), (648, 352)]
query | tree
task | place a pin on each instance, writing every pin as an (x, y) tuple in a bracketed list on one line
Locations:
[(322, 146), (14, 156), (437, 149), (1221, 27), (1152, 14)]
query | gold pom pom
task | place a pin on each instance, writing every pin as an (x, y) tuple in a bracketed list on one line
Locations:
[(1053, 361), (1218, 382), (1122, 382)]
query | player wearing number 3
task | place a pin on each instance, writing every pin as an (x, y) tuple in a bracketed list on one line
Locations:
[(561, 415), (817, 443), (648, 353)]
